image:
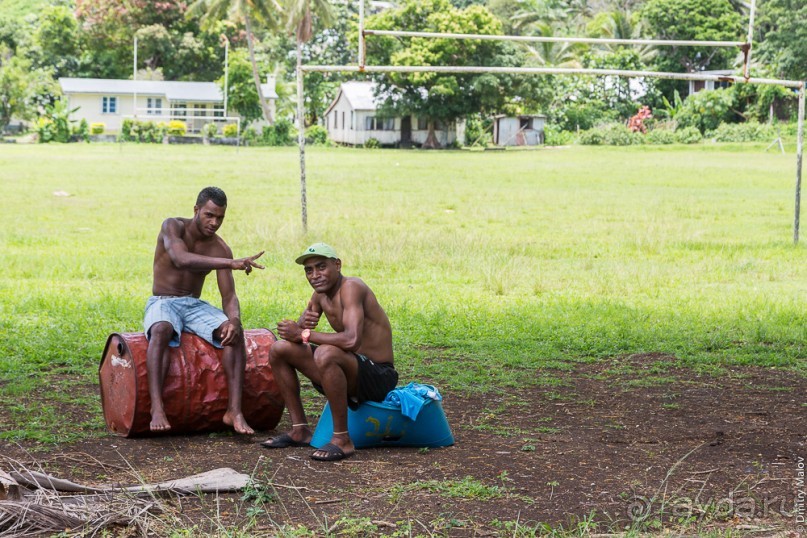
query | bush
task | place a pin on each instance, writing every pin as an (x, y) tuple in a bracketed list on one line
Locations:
[(279, 134), (177, 128), (610, 134), (126, 130), (555, 136), (54, 125), (372, 143), (593, 137), (478, 131), (790, 129), (574, 115), (688, 135), (143, 131), (154, 132), (754, 101), (316, 135), (230, 130), (97, 128), (743, 132), (161, 131), (660, 136), (706, 110), (210, 130), (45, 129), (80, 132), (249, 135)]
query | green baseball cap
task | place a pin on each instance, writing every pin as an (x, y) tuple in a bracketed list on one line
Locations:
[(317, 249)]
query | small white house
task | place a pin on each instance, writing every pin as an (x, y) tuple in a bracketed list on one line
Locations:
[(352, 119), (110, 101), (525, 130), (697, 85)]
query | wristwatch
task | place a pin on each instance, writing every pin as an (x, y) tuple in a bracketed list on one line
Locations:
[(306, 334)]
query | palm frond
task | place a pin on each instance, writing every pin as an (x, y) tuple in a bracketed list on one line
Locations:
[(300, 15)]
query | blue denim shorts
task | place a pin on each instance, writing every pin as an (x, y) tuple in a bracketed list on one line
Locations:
[(187, 314)]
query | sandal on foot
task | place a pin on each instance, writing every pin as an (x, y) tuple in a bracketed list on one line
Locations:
[(332, 453), (282, 441)]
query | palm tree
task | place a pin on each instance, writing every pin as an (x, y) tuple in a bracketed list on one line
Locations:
[(569, 14), (300, 20), (621, 24), (300, 16), (553, 53), (247, 11)]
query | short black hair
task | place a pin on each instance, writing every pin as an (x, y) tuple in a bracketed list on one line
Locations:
[(212, 193)]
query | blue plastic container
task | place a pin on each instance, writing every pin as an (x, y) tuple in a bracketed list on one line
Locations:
[(375, 424)]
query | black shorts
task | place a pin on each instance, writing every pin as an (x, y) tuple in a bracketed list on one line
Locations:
[(375, 380)]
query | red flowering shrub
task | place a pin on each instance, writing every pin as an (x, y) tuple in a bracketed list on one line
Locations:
[(636, 122)]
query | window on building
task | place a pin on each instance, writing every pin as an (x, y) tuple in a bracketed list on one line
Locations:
[(109, 105), (524, 123), (154, 105), (343, 120), (179, 109), (385, 124), (199, 111), (372, 123), (218, 112)]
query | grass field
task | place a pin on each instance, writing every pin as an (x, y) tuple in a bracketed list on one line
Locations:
[(493, 266)]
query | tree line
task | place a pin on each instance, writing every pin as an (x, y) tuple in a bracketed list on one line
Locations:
[(180, 40)]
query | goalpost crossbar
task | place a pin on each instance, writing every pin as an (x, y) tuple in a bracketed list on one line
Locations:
[(796, 84), (558, 39)]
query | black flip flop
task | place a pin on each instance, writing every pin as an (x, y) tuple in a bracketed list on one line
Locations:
[(332, 453), (282, 441)]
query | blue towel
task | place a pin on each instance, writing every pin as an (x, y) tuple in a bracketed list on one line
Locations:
[(412, 398)]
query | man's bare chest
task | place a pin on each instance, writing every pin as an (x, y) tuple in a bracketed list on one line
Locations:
[(333, 313)]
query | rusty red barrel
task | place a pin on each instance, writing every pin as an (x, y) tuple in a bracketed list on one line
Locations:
[(195, 389)]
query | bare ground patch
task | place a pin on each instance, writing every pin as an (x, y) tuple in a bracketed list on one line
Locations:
[(628, 442)]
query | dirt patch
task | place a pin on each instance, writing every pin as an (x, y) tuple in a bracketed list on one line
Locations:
[(631, 442)]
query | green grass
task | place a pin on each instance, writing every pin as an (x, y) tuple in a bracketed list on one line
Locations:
[(496, 268), (466, 488)]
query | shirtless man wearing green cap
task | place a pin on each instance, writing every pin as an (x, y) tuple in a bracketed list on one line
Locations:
[(352, 365)]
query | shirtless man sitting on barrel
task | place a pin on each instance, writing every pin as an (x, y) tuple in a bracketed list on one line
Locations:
[(187, 250)]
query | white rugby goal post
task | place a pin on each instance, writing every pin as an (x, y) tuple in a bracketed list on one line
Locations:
[(361, 67)]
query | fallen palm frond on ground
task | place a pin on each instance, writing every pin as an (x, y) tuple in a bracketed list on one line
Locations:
[(215, 481), (46, 513), (32, 503)]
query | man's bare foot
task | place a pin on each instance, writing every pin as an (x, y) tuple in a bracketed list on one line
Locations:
[(159, 423), (239, 423)]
